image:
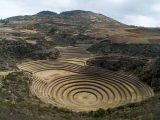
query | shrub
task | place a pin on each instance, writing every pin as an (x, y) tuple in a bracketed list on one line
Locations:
[(99, 113), (53, 30)]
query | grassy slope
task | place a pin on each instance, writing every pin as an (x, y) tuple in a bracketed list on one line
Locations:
[(70, 24)]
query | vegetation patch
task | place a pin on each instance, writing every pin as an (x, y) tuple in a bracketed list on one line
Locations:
[(141, 50), (12, 52)]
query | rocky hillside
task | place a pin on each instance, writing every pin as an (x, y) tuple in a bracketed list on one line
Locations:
[(74, 27)]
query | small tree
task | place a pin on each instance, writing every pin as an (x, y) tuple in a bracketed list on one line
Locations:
[(53, 30)]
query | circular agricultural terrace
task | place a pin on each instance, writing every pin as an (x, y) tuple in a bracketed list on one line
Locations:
[(70, 83)]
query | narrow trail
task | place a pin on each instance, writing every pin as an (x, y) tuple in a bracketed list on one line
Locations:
[(69, 83)]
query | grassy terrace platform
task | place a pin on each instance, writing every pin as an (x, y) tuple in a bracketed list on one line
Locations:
[(69, 83)]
